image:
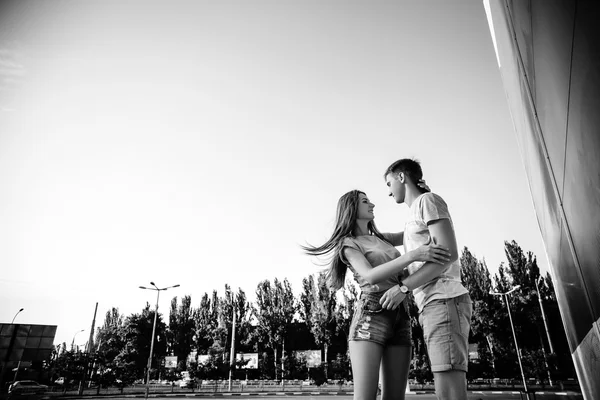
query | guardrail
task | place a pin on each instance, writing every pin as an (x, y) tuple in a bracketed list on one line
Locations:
[(265, 386)]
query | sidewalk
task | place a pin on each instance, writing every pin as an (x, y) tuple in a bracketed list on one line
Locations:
[(313, 392)]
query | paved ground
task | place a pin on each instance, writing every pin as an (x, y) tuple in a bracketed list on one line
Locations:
[(473, 395)]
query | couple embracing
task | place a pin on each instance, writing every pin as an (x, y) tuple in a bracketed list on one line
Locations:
[(380, 332)]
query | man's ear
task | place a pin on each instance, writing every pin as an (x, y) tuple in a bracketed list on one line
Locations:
[(401, 177)]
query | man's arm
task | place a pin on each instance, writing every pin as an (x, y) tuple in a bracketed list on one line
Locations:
[(395, 238), (442, 233)]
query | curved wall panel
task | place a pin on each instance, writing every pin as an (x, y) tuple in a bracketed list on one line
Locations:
[(549, 58)]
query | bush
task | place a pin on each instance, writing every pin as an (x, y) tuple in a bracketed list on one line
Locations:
[(317, 375)]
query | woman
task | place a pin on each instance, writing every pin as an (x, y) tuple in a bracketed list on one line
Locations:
[(378, 337)]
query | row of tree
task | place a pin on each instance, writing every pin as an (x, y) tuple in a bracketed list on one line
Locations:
[(279, 323)]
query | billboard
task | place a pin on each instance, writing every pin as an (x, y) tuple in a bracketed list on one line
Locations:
[(203, 358), (171, 362), (251, 357), (312, 357)]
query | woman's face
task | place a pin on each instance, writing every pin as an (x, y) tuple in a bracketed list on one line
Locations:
[(365, 208)]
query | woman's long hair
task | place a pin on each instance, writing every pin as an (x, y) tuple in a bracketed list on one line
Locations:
[(345, 222)]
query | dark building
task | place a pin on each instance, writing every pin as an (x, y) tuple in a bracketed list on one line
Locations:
[(549, 58), (24, 346)]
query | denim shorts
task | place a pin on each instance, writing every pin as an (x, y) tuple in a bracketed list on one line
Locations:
[(446, 324), (373, 323)]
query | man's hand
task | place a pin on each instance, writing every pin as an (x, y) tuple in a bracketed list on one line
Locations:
[(392, 298)]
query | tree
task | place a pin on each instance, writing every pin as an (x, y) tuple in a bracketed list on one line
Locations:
[(69, 364), (323, 315), (110, 340), (523, 270), (244, 314), (180, 334), (307, 298), (132, 360), (275, 311), (344, 311), (204, 324), (476, 278)]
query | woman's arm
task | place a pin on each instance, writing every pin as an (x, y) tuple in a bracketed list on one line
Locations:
[(429, 253), (395, 238)]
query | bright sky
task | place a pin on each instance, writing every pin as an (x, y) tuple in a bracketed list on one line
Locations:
[(199, 143)]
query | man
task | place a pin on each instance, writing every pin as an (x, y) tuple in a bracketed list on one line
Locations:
[(444, 304)]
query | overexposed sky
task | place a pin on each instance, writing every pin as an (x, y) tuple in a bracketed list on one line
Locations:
[(198, 143)]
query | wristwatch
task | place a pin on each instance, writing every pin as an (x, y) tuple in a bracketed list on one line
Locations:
[(403, 288)]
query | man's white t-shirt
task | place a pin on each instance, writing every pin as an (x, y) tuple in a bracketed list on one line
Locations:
[(427, 208)]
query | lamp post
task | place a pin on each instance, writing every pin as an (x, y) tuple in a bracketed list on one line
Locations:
[(232, 352), (158, 290), (13, 320), (544, 315), (505, 295), (73, 341), (537, 288)]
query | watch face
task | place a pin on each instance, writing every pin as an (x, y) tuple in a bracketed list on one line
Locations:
[(403, 289)]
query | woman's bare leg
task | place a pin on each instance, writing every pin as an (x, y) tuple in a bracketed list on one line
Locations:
[(395, 365), (366, 358)]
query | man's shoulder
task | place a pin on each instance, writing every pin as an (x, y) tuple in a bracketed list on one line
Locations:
[(430, 197)]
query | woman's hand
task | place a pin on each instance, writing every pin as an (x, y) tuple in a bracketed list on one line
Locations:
[(423, 185), (432, 252)]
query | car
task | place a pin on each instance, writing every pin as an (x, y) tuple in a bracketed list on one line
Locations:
[(26, 387)]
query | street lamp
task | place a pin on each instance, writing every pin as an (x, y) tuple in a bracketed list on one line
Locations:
[(73, 341), (505, 295), (543, 314), (153, 331), (539, 296), (13, 320)]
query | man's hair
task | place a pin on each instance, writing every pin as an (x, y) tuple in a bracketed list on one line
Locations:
[(409, 167)]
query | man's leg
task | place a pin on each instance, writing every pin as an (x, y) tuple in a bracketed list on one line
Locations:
[(446, 325), (450, 385)]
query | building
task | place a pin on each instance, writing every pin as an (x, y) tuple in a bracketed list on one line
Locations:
[(549, 57)]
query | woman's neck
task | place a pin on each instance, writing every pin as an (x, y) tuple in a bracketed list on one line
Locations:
[(361, 228)]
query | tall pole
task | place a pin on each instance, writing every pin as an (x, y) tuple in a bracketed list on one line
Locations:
[(232, 352), (13, 320), (151, 346), (544, 316), (539, 296), (91, 339), (512, 326), (88, 350), (153, 331)]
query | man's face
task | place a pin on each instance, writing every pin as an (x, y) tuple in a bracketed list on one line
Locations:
[(395, 184)]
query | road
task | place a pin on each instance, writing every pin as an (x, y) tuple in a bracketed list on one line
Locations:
[(473, 395)]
